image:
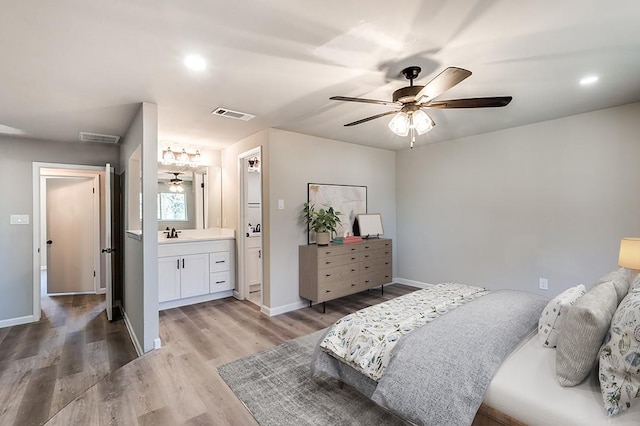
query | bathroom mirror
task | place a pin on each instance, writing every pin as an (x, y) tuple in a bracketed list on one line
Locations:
[(189, 198)]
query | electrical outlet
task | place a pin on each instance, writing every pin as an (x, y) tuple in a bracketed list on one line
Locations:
[(544, 284)]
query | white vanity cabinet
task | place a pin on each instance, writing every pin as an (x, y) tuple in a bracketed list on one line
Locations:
[(194, 271), (254, 261)]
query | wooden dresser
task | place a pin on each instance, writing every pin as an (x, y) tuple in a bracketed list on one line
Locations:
[(333, 271)]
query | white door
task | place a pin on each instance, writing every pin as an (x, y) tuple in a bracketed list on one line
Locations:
[(168, 278), (194, 275), (70, 235), (108, 241)]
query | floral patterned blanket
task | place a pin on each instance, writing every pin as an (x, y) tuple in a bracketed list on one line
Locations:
[(365, 339)]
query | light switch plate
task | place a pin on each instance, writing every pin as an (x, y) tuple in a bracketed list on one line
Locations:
[(281, 204), (19, 219)]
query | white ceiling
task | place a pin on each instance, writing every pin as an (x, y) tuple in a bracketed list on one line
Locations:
[(75, 65)]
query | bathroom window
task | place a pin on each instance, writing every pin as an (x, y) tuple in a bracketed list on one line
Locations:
[(172, 207)]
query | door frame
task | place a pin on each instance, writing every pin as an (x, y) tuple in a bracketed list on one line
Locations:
[(242, 291), (38, 193)]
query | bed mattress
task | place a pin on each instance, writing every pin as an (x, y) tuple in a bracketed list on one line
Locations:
[(525, 388)]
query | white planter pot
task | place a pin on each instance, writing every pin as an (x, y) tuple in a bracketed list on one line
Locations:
[(323, 238)]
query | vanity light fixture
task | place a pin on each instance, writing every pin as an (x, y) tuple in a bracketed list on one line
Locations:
[(183, 158), (254, 164)]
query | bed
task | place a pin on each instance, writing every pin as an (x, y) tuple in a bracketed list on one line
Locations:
[(482, 353)]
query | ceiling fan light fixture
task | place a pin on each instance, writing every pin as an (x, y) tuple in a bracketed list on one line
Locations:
[(400, 124), (422, 122)]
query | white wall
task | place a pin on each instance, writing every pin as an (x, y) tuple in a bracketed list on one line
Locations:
[(294, 160), (503, 209), (141, 256), (16, 241)]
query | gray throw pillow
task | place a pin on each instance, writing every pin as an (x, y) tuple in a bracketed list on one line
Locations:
[(583, 331), (620, 279)]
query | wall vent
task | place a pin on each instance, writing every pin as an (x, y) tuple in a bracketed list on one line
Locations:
[(97, 137), (236, 115)]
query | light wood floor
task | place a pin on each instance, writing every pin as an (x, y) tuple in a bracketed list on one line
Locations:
[(46, 365), (179, 385)]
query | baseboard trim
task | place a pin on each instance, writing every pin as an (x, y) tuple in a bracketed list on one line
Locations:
[(132, 335), (195, 299), (412, 283), (284, 308), (16, 321)]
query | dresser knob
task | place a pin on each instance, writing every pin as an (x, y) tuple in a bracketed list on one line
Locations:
[(327, 275)]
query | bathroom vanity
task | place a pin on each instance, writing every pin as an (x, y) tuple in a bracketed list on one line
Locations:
[(197, 266)]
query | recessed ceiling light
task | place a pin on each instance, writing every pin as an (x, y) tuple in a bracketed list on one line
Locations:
[(585, 81), (195, 63)]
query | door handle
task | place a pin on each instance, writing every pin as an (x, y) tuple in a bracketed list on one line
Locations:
[(108, 250), (49, 242)]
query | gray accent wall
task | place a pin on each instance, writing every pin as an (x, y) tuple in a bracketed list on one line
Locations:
[(503, 209), (16, 241)]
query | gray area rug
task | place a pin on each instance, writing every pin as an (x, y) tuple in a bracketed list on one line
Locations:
[(277, 388)]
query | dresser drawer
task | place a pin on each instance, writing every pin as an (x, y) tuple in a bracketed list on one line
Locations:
[(219, 261), (338, 273), (338, 250), (220, 281), (334, 261)]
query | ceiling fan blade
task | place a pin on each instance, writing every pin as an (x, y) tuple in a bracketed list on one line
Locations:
[(362, 100), (373, 117), (492, 102), (442, 82)]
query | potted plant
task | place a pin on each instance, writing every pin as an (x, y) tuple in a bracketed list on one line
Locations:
[(322, 222)]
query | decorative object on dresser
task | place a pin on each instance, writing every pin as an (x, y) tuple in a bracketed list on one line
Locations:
[(337, 270), (349, 200), (370, 225), (323, 222)]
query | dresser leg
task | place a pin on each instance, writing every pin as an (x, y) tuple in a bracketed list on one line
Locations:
[(324, 306), (309, 303), (382, 289)]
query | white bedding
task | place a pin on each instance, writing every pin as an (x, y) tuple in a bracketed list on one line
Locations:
[(525, 388)]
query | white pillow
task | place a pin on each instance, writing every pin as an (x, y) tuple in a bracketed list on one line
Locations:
[(553, 315)]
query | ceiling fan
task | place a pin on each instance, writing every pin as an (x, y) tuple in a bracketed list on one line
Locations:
[(411, 101), (175, 184)]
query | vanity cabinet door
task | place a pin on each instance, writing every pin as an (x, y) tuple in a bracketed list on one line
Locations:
[(169, 278), (194, 279)]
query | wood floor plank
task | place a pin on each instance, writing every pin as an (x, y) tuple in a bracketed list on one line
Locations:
[(160, 417), (36, 402), (95, 328), (72, 359), (120, 349)]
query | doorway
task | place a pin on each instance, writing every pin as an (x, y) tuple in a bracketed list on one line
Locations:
[(72, 222), (251, 227)]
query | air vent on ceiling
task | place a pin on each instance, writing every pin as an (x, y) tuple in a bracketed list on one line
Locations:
[(97, 137), (224, 112)]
